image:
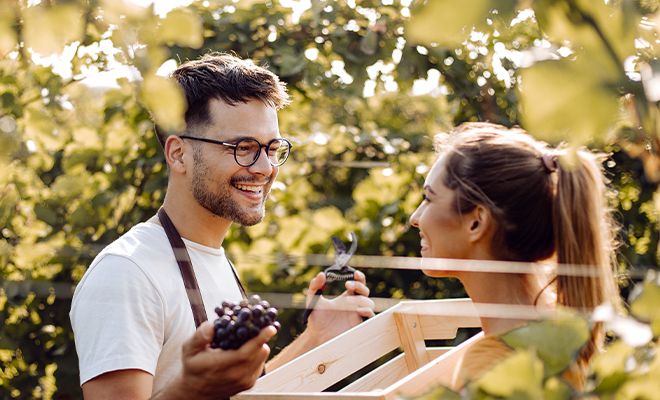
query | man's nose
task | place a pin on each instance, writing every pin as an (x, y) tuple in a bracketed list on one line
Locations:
[(262, 166)]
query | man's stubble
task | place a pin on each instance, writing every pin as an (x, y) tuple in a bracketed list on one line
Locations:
[(220, 201)]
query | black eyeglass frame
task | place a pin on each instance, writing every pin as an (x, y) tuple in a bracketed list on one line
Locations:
[(235, 146)]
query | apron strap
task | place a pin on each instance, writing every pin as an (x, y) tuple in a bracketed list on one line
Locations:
[(185, 265), (238, 281)]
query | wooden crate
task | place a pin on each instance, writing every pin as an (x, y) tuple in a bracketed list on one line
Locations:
[(405, 325)]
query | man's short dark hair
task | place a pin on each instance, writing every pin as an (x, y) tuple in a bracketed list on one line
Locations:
[(227, 78)]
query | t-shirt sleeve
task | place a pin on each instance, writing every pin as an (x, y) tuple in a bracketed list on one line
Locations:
[(117, 318)]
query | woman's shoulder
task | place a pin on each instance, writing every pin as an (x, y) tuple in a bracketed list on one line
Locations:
[(481, 356), (488, 351), (488, 346)]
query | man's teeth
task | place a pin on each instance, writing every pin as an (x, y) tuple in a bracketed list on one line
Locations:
[(253, 189), (423, 242)]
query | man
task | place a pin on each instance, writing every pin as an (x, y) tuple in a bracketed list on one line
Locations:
[(134, 329)]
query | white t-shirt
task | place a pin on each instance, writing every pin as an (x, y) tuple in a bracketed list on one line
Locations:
[(131, 310)]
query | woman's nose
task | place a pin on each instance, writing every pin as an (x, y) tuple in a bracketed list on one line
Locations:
[(414, 219)]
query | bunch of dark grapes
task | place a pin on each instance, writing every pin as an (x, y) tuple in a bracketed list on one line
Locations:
[(240, 322)]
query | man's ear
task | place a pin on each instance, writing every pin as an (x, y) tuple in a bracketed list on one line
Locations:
[(174, 154), (479, 223)]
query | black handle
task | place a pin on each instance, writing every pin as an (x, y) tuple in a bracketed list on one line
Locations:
[(311, 305)]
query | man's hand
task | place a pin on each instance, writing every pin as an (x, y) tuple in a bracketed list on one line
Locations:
[(207, 373), (332, 317), (217, 374)]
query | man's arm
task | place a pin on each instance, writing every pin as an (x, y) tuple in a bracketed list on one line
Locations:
[(123, 384), (330, 317), (206, 374)]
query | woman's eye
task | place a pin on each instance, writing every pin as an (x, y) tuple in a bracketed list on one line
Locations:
[(425, 197)]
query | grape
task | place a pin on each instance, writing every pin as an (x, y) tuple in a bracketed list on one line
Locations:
[(257, 311), (240, 322)]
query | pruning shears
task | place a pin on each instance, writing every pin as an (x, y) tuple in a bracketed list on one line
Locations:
[(339, 271)]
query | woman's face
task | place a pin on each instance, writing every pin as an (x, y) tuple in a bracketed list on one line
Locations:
[(440, 227)]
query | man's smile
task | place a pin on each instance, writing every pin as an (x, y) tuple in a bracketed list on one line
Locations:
[(250, 188)]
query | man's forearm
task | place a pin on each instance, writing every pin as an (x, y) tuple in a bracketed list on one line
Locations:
[(171, 392)]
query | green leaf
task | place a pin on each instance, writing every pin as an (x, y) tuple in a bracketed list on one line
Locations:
[(557, 389), (567, 99), (8, 37), (440, 392), (166, 102), (48, 30), (591, 25), (289, 61), (610, 384), (518, 374), (557, 341), (449, 22), (45, 214), (7, 343), (645, 306), (183, 27)]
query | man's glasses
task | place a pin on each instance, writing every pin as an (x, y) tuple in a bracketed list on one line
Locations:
[(248, 150)]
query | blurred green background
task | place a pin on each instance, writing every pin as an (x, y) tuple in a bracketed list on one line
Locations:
[(372, 81)]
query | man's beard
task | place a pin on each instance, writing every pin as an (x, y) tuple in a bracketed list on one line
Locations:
[(221, 203)]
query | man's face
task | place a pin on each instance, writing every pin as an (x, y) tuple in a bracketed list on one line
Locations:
[(218, 183)]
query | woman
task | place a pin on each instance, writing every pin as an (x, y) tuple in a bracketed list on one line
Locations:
[(497, 194)]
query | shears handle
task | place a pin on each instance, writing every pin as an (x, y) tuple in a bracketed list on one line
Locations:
[(311, 305)]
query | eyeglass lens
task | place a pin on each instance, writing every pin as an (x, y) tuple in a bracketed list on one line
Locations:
[(248, 150)]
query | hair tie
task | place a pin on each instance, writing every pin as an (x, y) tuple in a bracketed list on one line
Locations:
[(549, 161)]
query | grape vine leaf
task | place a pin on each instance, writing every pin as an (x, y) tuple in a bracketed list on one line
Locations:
[(557, 341)]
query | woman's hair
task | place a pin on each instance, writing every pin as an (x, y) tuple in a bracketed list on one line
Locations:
[(545, 203)]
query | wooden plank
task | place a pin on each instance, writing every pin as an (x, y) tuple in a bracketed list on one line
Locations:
[(439, 327), (435, 352), (412, 340), (440, 319), (436, 372), (334, 360), (380, 378), (390, 372), (444, 308)]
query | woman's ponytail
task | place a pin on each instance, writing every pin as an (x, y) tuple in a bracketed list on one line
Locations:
[(584, 240)]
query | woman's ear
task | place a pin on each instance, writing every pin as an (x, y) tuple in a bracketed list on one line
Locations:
[(174, 154), (479, 222)]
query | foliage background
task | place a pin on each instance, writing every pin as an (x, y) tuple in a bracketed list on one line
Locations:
[(80, 166)]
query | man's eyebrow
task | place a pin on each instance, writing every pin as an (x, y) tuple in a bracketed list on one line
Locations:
[(236, 138)]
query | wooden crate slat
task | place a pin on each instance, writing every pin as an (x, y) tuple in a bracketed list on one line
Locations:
[(432, 374), (338, 357), (435, 327), (440, 319), (435, 352), (390, 372), (380, 378), (412, 340)]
